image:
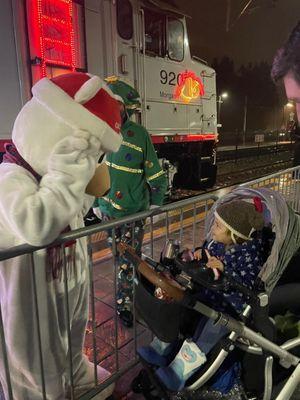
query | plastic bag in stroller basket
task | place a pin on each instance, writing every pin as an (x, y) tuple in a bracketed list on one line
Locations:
[(163, 318)]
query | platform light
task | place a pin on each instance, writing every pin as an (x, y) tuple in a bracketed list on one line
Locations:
[(223, 96), (289, 105)]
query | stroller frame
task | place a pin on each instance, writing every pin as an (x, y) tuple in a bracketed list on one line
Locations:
[(238, 331), (269, 289)]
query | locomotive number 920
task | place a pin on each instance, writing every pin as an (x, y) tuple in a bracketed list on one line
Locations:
[(169, 78)]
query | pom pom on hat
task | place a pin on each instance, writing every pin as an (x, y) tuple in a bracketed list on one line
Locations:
[(124, 93), (241, 217)]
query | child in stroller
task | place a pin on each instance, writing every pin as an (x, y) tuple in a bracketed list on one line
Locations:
[(252, 335), (237, 250)]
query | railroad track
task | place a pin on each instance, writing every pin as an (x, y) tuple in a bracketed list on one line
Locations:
[(246, 152), (252, 172), (237, 173)]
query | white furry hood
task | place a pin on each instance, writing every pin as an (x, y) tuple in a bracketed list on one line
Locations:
[(52, 114)]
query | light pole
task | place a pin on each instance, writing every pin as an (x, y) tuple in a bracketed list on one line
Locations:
[(288, 105), (245, 120), (288, 118), (221, 99)]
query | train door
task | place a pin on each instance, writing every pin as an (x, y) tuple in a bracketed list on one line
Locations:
[(127, 26), (110, 39), (100, 35)]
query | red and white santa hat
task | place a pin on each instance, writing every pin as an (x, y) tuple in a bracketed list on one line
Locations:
[(83, 101), (61, 106)]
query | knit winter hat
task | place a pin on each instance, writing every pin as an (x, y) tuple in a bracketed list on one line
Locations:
[(124, 93), (60, 106), (241, 218)]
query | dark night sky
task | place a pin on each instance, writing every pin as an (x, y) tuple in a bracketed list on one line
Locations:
[(253, 38)]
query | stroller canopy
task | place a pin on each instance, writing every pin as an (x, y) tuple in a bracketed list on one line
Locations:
[(285, 224)]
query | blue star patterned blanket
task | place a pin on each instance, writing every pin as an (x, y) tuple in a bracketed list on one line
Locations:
[(243, 263)]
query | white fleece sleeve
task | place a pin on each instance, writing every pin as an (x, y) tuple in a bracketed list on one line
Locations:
[(35, 212)]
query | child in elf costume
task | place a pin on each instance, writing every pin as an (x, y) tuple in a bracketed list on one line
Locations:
[(235, 251), (58, 137), (137, 183)]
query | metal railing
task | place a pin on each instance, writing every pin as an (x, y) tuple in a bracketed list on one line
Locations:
[(286, 182), (176, 221)]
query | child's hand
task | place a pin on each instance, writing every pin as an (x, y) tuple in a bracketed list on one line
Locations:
[(198, 254), (187, 255), (214, 262)]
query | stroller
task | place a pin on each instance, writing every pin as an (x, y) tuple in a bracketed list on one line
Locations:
[(270, 368)]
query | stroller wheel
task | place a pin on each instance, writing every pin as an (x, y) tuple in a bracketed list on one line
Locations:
[(141, 383)]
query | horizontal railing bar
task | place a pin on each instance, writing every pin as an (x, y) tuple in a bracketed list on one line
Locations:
[(264, 178), (81, 232)]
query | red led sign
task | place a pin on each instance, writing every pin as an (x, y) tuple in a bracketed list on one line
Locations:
[(51, 33)]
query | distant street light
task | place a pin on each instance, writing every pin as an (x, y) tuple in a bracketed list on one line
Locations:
[(221, 99), (287, 106), (288, 117)]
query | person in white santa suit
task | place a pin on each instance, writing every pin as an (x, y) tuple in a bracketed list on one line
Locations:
[(58, 138)]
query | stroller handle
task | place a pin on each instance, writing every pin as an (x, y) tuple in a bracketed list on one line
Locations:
[(156, 278)]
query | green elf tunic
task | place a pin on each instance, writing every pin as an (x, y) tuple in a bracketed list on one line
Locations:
[(137, 180)]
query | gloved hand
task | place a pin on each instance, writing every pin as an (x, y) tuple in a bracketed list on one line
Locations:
[(45, 208), (75, 157), (61, 190), (97, 212)]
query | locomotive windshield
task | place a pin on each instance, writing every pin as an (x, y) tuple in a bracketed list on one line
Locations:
[(163, 35)]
